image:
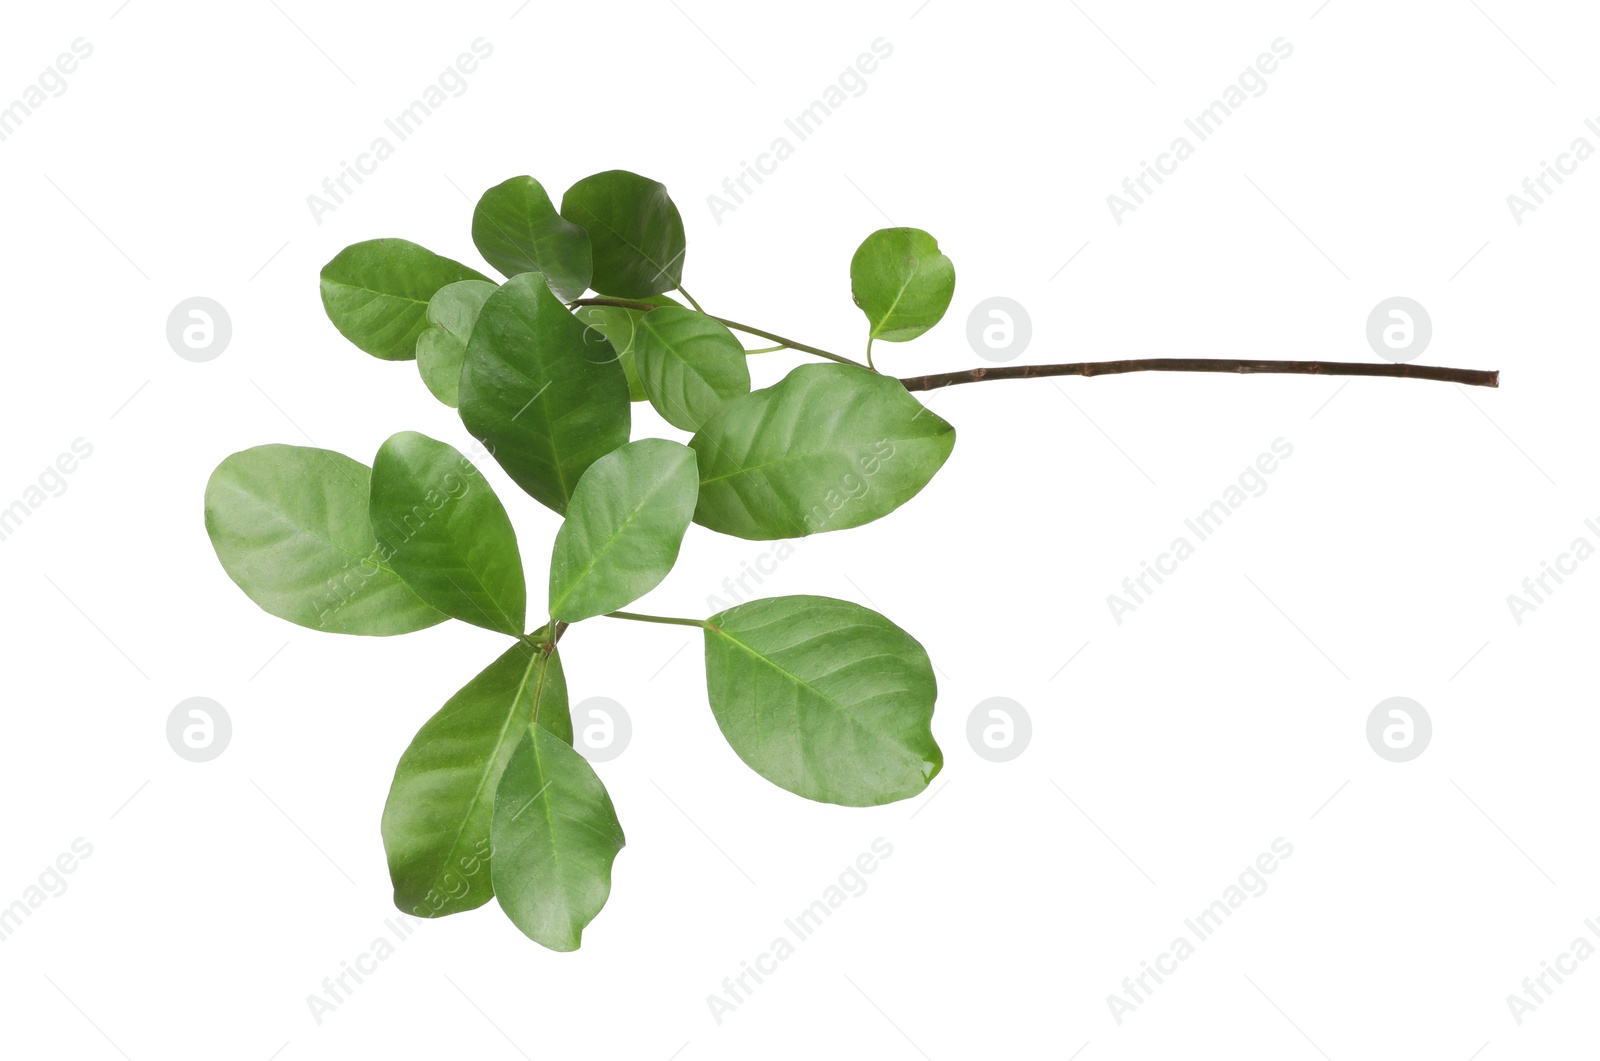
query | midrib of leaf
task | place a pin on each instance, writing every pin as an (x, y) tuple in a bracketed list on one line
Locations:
[(610, 542), (483, 778), (383, 294), (796, 679), (898, 295)]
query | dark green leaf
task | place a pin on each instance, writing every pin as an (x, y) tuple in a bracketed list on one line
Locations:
[(446, 532), (828, 447), (436, 821), (623, 528), (377, 292), (901, 282), (555, 836), (290, 526), (634, 229), (547, 402), (517, 230), (442, 346), (689, 365), (824, 698)]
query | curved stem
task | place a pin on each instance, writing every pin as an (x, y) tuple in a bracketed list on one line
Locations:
[(869, 355), (639, 618), (1470, 376), (685, 293), (735, 325), (767, 349)]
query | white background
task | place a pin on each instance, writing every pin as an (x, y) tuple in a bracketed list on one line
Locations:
[(1174, 748)]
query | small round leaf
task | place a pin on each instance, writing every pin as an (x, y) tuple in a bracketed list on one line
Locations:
[(901, 282)]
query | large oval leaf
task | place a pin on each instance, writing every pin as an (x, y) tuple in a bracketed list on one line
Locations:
[(623, 528), (517, 230), (376, 293), (618, 326), (446, 532), (901, 282), (436, 820), (635, 230), (828, 447), (546, 401), (824, 698), (442, 346), (555, 836), (689, 365), (290, 525)]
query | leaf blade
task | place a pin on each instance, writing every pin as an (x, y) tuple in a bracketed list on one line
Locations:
[(437, 817), (689, 365), (516, 228), (827, 448), (290, 526), (635, 231), (547, 400), (901, 282), (824, 698), (623, 529), (376, 293), (442, 346), (447, 533), (555, 836)]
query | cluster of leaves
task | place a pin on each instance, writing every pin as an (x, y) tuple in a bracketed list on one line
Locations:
[(822, 697)]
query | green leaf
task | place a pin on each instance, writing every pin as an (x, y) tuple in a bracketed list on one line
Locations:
[(824, 698), (446, 532), (290, 526), (623, 528), (547, 402), (555, 836), (619, 326), (689, 365), (452, 312), (377, 292), (828, 447), (902, 282), (436, 821), (634, 229), (517, 230)]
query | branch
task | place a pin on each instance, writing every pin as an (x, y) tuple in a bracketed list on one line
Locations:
[(626, 303), (1470, 376)]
